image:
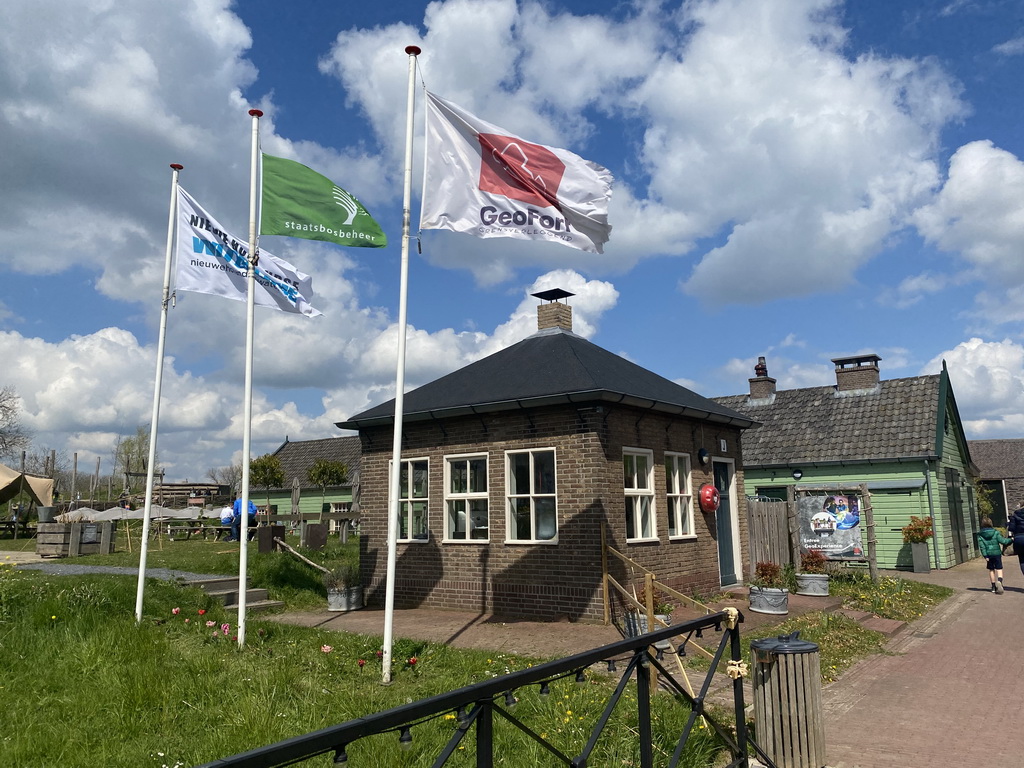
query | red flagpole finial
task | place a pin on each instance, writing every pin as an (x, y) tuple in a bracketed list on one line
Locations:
[(256, 113), (412, 50), (177, 166)]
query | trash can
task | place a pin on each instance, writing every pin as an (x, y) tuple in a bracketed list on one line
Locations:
[(788, 721), (46, 514)]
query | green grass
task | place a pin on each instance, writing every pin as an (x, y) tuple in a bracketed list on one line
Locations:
[(891, 598), (84, 685)]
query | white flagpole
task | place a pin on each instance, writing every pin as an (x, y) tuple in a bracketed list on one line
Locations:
[(151, 468), (396, 449), (243, 545)]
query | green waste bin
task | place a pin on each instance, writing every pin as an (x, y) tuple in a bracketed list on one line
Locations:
[(788, 721)]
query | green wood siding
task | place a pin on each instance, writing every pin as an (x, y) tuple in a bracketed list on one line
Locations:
[(310, 500)]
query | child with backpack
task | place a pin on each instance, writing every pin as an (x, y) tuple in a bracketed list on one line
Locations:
[(991, 543)]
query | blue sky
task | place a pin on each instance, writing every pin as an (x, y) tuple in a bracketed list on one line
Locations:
[(798, 179)]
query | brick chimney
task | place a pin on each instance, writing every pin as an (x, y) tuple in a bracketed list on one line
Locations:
[(762, 386), (856, 373), (553, 314)]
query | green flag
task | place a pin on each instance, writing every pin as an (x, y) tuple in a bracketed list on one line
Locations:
[(299, 202)]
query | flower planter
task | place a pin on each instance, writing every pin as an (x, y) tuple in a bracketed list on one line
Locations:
[(641, 623), (345, 600), (769, 600), (815, 584), (919, 555)]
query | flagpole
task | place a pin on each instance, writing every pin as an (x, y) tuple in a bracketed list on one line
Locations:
[(396, 449), (151, 468), (243, 545)]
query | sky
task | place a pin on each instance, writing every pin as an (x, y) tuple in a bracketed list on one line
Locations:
[(800, 179)]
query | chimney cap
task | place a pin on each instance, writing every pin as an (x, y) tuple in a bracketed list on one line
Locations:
[(552, 294), (856, 360)]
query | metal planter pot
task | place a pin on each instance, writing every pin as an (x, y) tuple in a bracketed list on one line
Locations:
[(815, 584), (344, 600), (769, 600)]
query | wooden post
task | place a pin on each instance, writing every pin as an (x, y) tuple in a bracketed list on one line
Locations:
[(604, 574), (74, 480), (94, 491), (869, 525), (649, 605), (793, 521)]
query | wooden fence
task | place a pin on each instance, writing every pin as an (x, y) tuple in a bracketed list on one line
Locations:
[(769, 532)]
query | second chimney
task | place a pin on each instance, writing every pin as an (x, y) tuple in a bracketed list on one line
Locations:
[(553, 314), (856, 373), (762, 386)]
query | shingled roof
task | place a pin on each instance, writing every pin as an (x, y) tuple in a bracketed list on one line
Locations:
[(550, 367), (898, 419), (998, 459), (298, 456)]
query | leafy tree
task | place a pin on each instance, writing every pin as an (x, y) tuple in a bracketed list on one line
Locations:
[(325, 472), (985, 506), (265, 472), (13, 436), (230, 476)]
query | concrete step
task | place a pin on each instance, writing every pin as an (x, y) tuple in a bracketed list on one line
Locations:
[(225, 591)]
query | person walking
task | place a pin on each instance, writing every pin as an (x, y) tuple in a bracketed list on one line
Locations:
[(1015, 528), (991, 542)]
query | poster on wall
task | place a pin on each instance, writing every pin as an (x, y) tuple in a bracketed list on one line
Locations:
[(830, 524)]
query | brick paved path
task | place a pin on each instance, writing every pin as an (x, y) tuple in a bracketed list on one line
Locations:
[(946, 695)]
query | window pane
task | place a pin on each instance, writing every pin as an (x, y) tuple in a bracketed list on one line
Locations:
[(630, 517), (673, 515), (671, 478), (646, 524), (547, 527), (478, 522), (684, 512), (419, 479), (403, 480), (457, 519), (403, 520), (628, 471), (419, 520), (457, 473), (478, 476), (522, 519), (519, 473), (544, 471), (641, 471)]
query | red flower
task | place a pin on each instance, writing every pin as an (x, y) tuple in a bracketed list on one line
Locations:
[(202, 611), (412, 661), (361, 663), (380, 654)]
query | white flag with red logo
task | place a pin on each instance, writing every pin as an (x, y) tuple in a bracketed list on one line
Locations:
[(485, 181)]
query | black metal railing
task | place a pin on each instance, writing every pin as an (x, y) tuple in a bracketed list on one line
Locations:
[(476, 706)]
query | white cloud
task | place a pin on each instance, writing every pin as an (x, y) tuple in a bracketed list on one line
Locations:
[(988, 381), (1013, 47)]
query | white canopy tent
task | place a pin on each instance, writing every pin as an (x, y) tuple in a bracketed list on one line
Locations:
[(13, 482)]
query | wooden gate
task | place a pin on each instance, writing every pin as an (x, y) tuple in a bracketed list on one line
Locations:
[(768, 527)]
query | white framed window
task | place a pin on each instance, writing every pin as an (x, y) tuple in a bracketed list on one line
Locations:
[(638, 483), (530, 493), (465, 498), (413, 500), (680, 495)]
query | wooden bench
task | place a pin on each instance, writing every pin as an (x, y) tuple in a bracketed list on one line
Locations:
[(15, 527)]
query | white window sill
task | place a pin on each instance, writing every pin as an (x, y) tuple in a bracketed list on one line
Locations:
[(538, 542), (465, 541), (684, 537), (649, 540)]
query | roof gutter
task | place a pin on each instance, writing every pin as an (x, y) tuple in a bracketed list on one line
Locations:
[(841, 462)]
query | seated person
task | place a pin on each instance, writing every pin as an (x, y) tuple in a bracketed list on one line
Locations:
[(236, 520)]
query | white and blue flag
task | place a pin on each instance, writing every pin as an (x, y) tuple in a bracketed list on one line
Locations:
[(211, 260)]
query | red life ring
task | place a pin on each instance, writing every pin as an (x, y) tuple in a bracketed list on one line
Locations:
[(709, 498)]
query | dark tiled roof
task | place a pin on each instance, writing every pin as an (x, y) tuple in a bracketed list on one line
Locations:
[(298, 456), (998, 459), (898, 419), (552, 366)]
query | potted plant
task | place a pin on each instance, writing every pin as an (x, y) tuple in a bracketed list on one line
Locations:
[(812, 578), (662, 607), (344, 588), (916, 533), (768, 592)]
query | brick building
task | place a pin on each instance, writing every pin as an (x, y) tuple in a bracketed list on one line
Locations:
[(1000, 465), (512, 465)]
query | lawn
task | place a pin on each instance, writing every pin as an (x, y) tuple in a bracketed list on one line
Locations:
[(84, 685)]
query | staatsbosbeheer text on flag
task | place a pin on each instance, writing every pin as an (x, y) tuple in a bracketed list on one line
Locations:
[(212, 260), (299, 202), (482, 180)]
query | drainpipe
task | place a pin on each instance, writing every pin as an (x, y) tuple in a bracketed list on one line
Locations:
[(931, 510)]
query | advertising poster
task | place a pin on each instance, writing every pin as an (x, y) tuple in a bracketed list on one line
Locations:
[(830, 524)]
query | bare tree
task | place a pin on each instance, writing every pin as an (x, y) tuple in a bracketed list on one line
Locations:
[(131, 455), (14, 437), (230, 476)]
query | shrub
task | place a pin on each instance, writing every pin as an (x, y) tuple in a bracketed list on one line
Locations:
[(768, 575), (341, 577), (813, 561), (918, 530)]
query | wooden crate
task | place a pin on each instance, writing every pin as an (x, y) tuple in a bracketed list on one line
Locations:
[(74, 539)]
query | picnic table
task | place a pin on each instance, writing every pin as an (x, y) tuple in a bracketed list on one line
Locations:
[(183, 530), (14, 527)]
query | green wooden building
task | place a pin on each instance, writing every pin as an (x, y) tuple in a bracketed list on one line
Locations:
[(297, 456), (902, 437)]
